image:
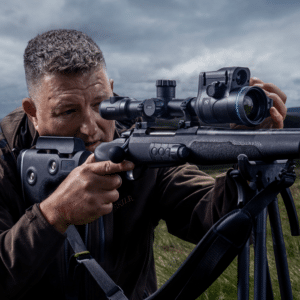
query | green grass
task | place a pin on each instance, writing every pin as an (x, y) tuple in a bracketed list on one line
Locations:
[(170, 252)]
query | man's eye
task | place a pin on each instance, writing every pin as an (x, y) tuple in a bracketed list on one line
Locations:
[(97, 105), (68, 112)]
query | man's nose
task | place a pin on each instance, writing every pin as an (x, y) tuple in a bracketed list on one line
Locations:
[(89, 125)]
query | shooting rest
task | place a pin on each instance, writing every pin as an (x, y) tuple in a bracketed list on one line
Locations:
[(260, 174)]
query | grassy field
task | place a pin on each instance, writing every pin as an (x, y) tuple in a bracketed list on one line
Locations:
[(170, 252)]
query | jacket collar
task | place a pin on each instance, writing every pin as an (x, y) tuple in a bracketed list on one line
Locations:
[(18, 131)]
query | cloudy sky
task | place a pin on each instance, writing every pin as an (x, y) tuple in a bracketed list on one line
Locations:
[(143, 41)]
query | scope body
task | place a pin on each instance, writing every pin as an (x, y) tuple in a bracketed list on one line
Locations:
[(224, 96)]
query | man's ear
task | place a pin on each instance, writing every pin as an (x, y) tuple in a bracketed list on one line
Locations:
[(30, 110), (111, 81)]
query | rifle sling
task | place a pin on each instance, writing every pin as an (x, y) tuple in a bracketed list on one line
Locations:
[(82, 256)]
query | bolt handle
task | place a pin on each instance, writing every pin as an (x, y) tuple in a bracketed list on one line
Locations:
[(116, 154)]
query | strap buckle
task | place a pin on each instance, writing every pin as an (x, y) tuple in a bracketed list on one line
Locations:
[(82, 256)]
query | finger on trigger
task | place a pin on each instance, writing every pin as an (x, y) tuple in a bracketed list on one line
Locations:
[(127, 165), (120, 167), (105, 167)]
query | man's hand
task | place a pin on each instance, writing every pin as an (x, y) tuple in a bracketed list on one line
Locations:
[(87, 193), (277, 112)]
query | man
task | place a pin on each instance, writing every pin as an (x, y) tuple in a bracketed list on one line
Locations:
[(66, 79)]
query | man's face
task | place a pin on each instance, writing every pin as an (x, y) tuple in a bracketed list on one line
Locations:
[(69, 106)]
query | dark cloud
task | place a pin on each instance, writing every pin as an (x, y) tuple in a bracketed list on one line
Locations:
[(147, 40)]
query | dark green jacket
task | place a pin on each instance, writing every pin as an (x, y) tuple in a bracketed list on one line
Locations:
[(34, 255)]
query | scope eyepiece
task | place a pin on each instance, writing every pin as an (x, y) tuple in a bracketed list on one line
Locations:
[(120, 108)]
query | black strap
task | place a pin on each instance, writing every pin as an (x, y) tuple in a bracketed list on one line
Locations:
[(83, 256), (255, 207), (209, 262)]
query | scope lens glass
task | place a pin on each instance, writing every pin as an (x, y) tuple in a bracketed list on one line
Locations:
[(253, 105), (241, 77), (248, 105)]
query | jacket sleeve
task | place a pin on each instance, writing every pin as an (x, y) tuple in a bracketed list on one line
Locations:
[(191, 201), (28, 243)]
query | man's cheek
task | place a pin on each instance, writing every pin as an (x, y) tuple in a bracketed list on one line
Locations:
[(112, 130)]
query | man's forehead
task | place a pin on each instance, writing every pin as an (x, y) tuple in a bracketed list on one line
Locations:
[(86, 78), (58, 85)]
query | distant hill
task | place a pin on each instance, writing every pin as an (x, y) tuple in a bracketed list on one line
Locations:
[(292, 119)]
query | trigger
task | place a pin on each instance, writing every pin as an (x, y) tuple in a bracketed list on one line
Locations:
[(136, 173), (129, 175)]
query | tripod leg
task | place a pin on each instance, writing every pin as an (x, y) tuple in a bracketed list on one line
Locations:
[(270, 295), (260, 263), (243, 273), (280, 252)]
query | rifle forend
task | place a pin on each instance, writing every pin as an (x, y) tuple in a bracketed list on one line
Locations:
[(201, 146)]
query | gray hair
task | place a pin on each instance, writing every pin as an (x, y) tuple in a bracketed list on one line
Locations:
[(60, 51)]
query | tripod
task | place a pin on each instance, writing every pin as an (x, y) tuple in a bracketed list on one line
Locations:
[(260, 174)]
